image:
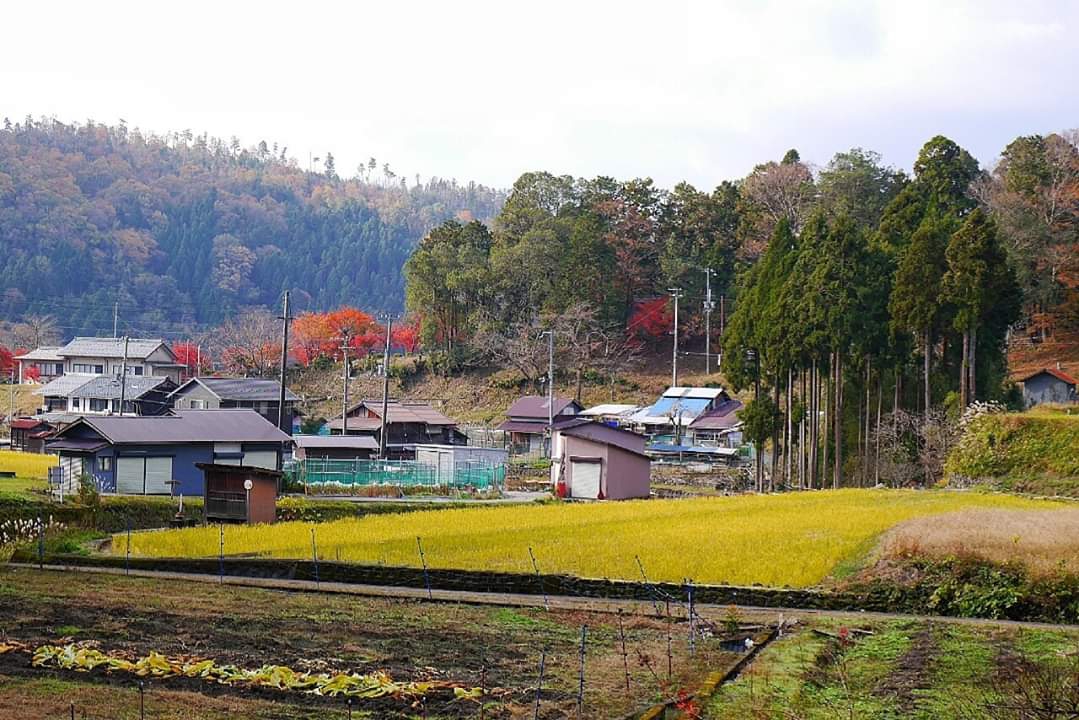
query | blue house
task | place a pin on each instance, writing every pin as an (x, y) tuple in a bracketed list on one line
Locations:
[(144, 455)]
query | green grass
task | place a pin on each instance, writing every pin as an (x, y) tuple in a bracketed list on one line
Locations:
[(22, 487), (794, 539), (1035, 452)]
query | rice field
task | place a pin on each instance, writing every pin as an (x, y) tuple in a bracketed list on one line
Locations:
[(794, 539), (27, 465)]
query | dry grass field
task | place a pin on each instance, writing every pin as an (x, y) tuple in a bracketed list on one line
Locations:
[(794, 539), (1043, 540)]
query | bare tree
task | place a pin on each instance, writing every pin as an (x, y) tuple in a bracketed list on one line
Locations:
[(35, 331), (248, 343)]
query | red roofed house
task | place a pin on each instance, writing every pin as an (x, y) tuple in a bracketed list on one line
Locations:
[(1048, 385), (28, 434)]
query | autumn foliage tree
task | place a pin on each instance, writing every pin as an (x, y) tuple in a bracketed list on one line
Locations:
[(195, 360)]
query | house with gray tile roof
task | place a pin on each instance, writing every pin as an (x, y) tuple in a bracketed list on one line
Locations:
[(214, 393), (102, 356)]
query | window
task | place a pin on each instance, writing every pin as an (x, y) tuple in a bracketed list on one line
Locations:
[(104, 464), (197, 404), (137, 370), (98, 405), (88, 369), (76, 403)]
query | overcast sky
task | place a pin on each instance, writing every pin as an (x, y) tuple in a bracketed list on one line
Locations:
[(484, 91)]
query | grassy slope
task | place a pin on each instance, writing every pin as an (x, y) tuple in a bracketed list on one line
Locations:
[(1036, 451), (794, 539)]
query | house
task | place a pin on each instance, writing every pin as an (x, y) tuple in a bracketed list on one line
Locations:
[(1048, 385), (29, 434), (102, 356), (526, 420), (214, 393), (612, 414), (675, 411), (132, 454), (239, 493), (598, 462), (43, 363), (718, 427), (407, 424), (334, 447), (100, 394)]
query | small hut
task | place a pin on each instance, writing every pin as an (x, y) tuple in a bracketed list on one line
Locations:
[(238, 493)]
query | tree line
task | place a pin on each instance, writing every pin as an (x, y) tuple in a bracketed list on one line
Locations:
[(850, 284)]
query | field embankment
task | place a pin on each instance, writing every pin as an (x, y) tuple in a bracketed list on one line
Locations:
[(794, 540), (1033, 452)]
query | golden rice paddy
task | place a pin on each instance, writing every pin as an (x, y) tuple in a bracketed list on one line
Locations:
[(793, 539)]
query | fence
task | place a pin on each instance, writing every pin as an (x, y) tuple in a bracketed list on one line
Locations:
[(396, 473)]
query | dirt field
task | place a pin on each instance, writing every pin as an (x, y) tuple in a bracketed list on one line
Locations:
[(497, 648)]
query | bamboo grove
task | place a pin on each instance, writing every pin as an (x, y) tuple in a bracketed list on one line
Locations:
[(845, 327)]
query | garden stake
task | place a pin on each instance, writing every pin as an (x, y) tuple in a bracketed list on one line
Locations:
[(221, 554), (72, 711), (622, 634), (539, 578), (127, 558), (423, 560), (350, 709), (40, 544), (670, 667), (539, 685), (483, 683), (580, 681), (314, 555), (648, 585), (692, 627), (142, 700)]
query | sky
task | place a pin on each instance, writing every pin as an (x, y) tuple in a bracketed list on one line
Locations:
[(484, 91)]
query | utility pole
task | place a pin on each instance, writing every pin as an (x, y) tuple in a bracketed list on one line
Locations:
[(550, 390), (708, 307), (722, 326), (198, 359), (123, 377), (115, 316), (285, 319), (385, 389), (344, 382), (676, 293)]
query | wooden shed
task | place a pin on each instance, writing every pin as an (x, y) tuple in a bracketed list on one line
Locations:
[(598, 462), (239, 493)]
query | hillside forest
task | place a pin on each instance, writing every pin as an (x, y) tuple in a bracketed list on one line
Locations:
[(180, 232)]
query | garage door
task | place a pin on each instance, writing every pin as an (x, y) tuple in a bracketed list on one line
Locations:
[(584, 479), (158, 474), (130, 474), (144, 476), (261, 459)]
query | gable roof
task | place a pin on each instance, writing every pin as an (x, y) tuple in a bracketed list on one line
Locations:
[(723, 417), (45, 352), (185, 426), (535, 406), (351, 442), (609, 409), (108, 387), (402, 412), (235, 388), (137, 348), (1058, 374)]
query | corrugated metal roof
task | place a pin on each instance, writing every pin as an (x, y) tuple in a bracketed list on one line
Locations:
[(137, 348), (233, 388), (606, 435), (692, 392), (355, 423), (45, 352), (535, 406), (352, 442), (1058, 374), (241, 425), (63, 386), (609, 409), (107, 387)]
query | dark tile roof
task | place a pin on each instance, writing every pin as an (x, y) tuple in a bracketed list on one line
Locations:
[(183, 427), (137, 348), (108, 387), (232, 388), (723, 417), (605, 434), (535, 406), (404, 412)]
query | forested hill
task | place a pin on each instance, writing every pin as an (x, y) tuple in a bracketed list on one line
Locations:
[(185, 230)]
